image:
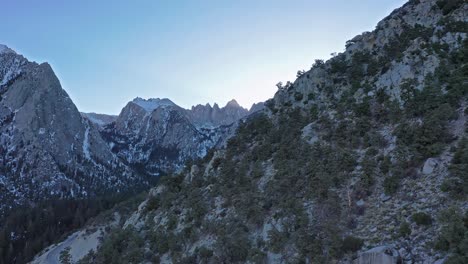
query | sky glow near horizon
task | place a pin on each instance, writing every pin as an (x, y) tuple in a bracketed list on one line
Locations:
[(106, 53)]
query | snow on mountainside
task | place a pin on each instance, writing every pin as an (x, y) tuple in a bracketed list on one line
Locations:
[(157, 136), (10, 65), (152, 103), (47, 149)]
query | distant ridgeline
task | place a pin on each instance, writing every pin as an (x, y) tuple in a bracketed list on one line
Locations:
[(156, 136)]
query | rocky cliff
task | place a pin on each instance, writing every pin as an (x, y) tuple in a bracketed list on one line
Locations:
[(207, 116), (46, 148)]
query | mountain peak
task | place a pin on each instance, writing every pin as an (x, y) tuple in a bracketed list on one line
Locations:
[(152, 103), (6, 49), (233, 103)]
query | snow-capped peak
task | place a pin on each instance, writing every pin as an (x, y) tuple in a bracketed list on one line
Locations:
[(152, 103)]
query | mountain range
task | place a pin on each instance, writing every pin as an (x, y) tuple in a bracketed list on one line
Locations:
[(48, 149)]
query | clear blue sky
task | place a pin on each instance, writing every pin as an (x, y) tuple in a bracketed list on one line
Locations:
[(105, 53)]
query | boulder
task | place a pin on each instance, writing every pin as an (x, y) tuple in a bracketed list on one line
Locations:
[(194, 170), (360, 203), (379, 255), (385, 197), (429, 166)]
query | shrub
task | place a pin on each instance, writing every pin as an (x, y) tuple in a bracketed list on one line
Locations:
[(385, 165), (216, 162), (276, 240), (152, 203), (391, 184), (121, 246), (318, 64), (448, 6), (205, 253), (421, 218), (453, 235), (405, 229), (298, 96), (352, 244), (65, 257), (457, 183)]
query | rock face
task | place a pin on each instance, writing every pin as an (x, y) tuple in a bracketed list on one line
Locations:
[(207, 116), (46, 148), (379, 255), (257, 107), (157, 136)]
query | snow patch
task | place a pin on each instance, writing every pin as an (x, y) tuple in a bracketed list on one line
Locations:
[(152, 103), (10, 74), (86, 144)]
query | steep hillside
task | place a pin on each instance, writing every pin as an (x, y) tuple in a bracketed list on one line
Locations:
[(362, 159)]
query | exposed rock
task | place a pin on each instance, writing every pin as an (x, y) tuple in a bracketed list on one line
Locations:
[(309, 134), (208, 117), (256, 107), (360, 203), (47, 149), (429, 166), (194, 170), (385, 197), (379, 255)]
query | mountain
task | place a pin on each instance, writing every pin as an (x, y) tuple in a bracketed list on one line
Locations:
[(156, 136), (47, 149), (362, 159)]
